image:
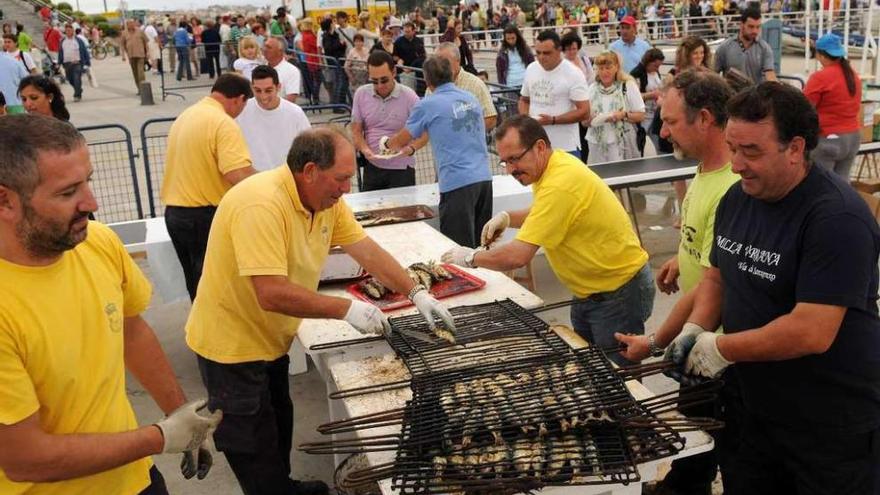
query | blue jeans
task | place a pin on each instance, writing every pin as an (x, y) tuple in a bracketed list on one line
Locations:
[(183, 62), (73, 73), (624, 310)]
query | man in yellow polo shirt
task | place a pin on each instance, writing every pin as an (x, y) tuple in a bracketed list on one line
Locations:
[(70, 325), (207, 154), (582, 227), (268, 244)]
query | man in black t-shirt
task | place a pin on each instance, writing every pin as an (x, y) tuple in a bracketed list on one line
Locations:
[(793, 281), (409, 51)]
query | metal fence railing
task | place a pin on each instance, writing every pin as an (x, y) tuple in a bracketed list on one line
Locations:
[(115, 181), (154, 143)]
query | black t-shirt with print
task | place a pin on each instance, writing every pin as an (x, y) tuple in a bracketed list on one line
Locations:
[(820, 245)]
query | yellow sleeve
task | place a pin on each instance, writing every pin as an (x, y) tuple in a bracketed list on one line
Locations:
[(259, 240), (346, 230), (232, 150), (709, 234), (486, 101), (18, 399), (549, 219), (136, 289)]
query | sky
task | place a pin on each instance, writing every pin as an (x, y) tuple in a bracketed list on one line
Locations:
[(97, 6)]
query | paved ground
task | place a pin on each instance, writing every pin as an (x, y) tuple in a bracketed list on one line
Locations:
[(115, 102)]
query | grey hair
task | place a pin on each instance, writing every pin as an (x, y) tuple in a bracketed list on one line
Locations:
[(317, 146), (281, 41), (449, 47), (437, 70), (22, 138)]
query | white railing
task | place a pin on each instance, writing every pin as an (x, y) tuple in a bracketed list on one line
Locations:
[(851, 24)]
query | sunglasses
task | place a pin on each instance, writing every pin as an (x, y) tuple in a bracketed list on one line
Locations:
[(381, 80)]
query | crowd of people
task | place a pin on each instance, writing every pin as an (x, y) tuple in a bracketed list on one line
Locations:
[(777, 265)]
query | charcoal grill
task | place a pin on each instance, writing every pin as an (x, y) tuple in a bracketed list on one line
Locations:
[(510, 407)]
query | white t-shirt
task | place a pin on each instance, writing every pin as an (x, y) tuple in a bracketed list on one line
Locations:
[(269, 133), (18, 55), (151, 32), (289, 77), (554, 93), (654, 82), (246, 66)]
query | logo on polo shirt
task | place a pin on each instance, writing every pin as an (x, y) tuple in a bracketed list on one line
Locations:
[(114, 317)]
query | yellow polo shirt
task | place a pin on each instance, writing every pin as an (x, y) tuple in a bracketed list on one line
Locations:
[(261, 228), (583, 228), (204, 143), (61, 353)]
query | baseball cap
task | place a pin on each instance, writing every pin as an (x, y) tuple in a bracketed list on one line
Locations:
[(830, 44), (628, 19)]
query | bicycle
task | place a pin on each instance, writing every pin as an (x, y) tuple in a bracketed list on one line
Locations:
[(101, 49)]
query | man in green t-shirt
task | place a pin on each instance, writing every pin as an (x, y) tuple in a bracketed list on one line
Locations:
[(694, 116)]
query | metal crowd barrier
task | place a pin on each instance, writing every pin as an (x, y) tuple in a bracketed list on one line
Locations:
[(115, 182)]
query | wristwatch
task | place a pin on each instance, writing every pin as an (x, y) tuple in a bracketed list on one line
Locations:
[(469, 259), (655, 350)]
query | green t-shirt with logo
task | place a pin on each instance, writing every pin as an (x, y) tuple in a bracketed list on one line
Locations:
[(698, 223)]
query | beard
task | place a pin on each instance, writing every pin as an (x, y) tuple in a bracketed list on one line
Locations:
[(44, 237), (678, 153)]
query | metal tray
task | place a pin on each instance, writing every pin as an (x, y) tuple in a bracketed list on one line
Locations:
[(388, 216)]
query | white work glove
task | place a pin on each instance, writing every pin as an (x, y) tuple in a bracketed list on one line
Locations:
[(677, 350), (185, 429), (458, 256), (494, 228), (197, 462), (430, 307), (367, 319), (383, 145), (705, 359)]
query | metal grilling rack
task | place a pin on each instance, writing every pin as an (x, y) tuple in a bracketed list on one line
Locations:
[(496, 332), (510, 407)]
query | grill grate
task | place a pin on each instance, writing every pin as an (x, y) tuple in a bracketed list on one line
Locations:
[(496, 332)]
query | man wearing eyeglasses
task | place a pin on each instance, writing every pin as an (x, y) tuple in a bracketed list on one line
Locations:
[(583, 228), (381, 109)]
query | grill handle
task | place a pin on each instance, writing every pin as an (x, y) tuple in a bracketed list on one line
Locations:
[(369, 389), (383, 418), (345, 343), (377, 443)]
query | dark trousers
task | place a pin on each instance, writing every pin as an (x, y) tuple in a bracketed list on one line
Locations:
[(776, 459), (694, 475), (137, 71), (73, 73), (183, 62), (376, 178), (339, 85), (597, 317), (157, 484), (464, 211), (312, 85), (256, 433), (188, 229), (213, 63)]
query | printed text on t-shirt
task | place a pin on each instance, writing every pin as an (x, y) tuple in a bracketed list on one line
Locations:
[(761, 259)]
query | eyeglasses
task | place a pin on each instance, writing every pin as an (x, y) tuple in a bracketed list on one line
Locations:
[(515, 159), (381, 80)]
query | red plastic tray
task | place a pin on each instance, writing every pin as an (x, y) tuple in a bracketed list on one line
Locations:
[(460, 283)]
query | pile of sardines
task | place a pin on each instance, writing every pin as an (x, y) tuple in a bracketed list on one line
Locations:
[(426, 274), (559, 419)]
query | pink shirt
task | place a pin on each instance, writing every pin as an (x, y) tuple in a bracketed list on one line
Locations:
[(384, 117)]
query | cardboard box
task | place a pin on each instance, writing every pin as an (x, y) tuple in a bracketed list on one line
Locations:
[(866, 117), (873, 203)]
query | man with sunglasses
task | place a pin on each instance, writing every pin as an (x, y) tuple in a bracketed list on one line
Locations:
[(583, 228), (381, 109)]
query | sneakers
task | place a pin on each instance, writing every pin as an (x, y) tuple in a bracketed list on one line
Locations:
[(309, 487)]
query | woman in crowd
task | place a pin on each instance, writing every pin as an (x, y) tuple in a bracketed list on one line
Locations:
[(249, 57), (365, 28), (693, 52), (40, 95), (836, 92), (616, 107), (647, 73), (356, 64), (385, 42), (312, 74), (453, 34), (513, 58), (571, 50)]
